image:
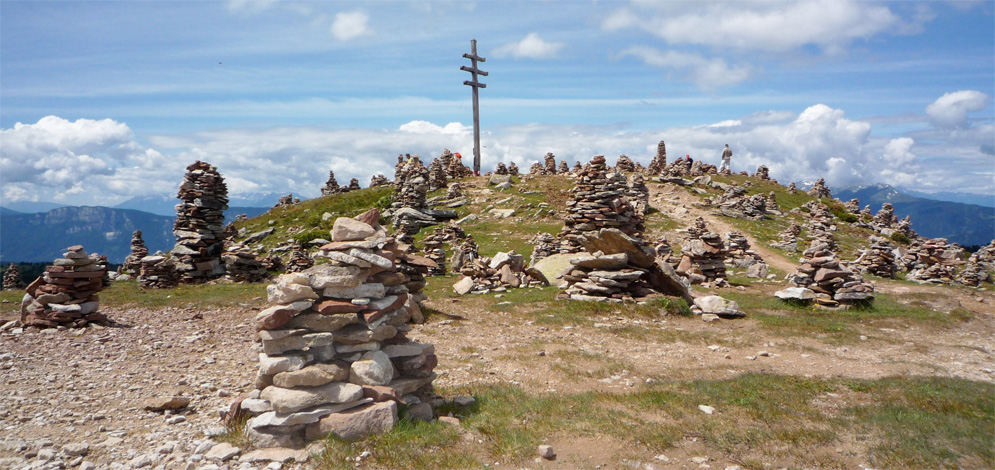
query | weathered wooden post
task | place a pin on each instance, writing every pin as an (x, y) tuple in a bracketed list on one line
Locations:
[(476, 105)]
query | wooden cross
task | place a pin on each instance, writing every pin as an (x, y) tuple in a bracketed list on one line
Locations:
[(476, 105)]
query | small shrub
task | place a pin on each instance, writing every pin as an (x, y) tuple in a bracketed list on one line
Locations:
[(901, 238), (306, 237)]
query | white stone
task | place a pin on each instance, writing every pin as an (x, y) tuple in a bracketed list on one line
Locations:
[(374, 368)]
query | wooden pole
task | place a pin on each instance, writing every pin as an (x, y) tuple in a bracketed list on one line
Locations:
[(474, 72)]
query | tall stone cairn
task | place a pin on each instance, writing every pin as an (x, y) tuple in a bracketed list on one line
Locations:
[(378, 180), (563, 168), (513, 169), (410, 194), (436, 175), (639, 194), (820, 190), (133, 263), (597, 201), (335, 358), (772, 204), (885, 217), (200, 223), (399, 169), (157, 272), (501, 169), (762, 172), (435, 250), (624, 163), (549, 168), (12, 278), (659, 161), (331, 186), (703, 255), (300, 259), (66, 293), (832, 283)]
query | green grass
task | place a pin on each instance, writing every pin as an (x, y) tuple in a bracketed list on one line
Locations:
[(410, 444), (129, 294)]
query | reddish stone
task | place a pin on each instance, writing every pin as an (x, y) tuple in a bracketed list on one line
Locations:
[(331, 306), (370, 217), (32, 288)]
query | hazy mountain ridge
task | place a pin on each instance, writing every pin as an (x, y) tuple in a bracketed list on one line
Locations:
[(966, 224)]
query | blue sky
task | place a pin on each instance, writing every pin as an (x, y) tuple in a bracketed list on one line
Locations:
[(103, 101)]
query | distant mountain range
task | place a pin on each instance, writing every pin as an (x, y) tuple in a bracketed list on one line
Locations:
[(966, 224), (164, 204)]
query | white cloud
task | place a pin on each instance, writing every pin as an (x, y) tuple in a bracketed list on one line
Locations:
[(767, 26), (350, 25), (531, 47), (706, 73), (950, 110)]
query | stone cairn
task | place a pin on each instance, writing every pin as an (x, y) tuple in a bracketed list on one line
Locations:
[(199, 223), (535, 169), (933, 261), (659, 161), (885, 217), (703, 255), (273, 262), (287, 200), (399, 168), (792, 189), (789, 238), (563, 168), (549, 168), (455, 191), (739, 253), (501, 169), (639, 194), (820, 224), (465, 253), (436, 251), (331, 186), (66, 293), (576, 169), (502, 272), (353, 185), (335, 358), (133, 263), (300, 259), (762, 172), (624, 163), (832, 283), (411, 190), (241, 264), (543, 245), (158, 272), (436, 175), (877, 259), (12, 278), (513, 169), (772, 204), (378, 180), (819, 189), (852, 206), (597, 201), (973, 274)]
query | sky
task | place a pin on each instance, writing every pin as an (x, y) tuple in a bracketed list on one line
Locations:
[(104, 101)]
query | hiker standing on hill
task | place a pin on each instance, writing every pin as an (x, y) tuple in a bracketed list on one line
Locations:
[(726, 156)]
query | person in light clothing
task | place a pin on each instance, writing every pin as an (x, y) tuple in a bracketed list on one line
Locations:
[(726, 157)]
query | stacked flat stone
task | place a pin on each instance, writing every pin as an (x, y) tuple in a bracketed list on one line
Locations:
[(904, 227), (199, 223), (577, 168), (772, 204), (334, 350), (457, 169), (832, 283), (885, 217), (852, 206), (413, 269), (411, 190), (563, 168), (597, 201), (399, 168), (66, 293), (331, 186), (933, 261), (738, 251), (624, 163), (878, 259), (436, 175), (455, 191), (241, 264), (973, 274), (273, 262), (501, 169), (543, 245), (12, 278), (378, 180), (464, 253), (502, 272), (677, 168), (158, 272), (536, 169), (138, 251), (353, 186), (513, 169), (287, 200), (762, 172), (819, 189), (435, 250), (659, 161), (300, 259), (820, 224), (703, 255), (792, 188), (986, 257), (639, 168), (639, 194), (446, 160), (549, 168)]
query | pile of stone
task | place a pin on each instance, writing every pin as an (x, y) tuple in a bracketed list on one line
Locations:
[(436, 175), (287, 200), (820, 224), (792, 189), (436, 251), (158, 272), (772, 205), (544, 245), (659, 161), (675, 169), (12, 278), (399, 168), (133, 262), (464, 254), (853, 206), (832, 283), (455, 191), (735, 203), (624, 163), (703, 255), (762, 172), (378, 180), (273, 262), (411, 190), (819, 189), (300, 259), (502, 272), (453, 164), (335, 358), (241, 264), (576, 169), (536, 169), (598, 201), (878, 259), (740, 255), (501, 169), (933, 261), (513, 169), (66, 293), (563, 168), (353, 186), (413, 269), (199, 223), (549, 168), (639, 195), (973, 274), (332, 186), (885, 217)]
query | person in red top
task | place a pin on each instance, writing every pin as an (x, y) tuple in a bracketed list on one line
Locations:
[(689, 159)]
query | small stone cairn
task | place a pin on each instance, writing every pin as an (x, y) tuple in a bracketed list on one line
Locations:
[(435, 250), (624, 164), (436, 175), (792, 189), (739, 253), (703, 255), (659, 161), (12, 278), (933, 261), (242, 265), (563, 168), (133, 263), (535, 169), (66, 293), (464, 254), (199, 226), (973, 274), (885, 217), (411, 190), (353, 186), (158, 272), (543, 245), (832, 283), (513, 169), (287, 200), (501, 169), (772, 205), (331, 186), (819, 189), (378, 180), (335, 358), (549, 168), (502, 272), (639, 194), (762, 173), (300, 259), (877, 259), (789, 238), (597, 201)]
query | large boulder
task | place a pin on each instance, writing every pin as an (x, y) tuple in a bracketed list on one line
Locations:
[(719, 306), (611, 241)]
